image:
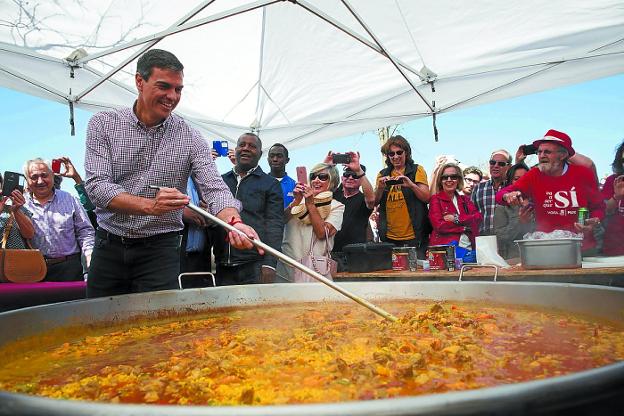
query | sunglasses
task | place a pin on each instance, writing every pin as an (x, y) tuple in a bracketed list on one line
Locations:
[(398, 153), (321, 176), (351, 175), (450, 177), (500, 164)]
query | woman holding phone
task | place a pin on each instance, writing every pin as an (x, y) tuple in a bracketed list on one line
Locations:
[(402, 194), (15, 223), (313, 211)]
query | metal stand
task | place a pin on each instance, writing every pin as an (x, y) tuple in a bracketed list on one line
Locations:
[(469, 266), (214, 282)]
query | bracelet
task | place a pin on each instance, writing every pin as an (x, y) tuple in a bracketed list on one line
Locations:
[(360, 176), (235, 221)]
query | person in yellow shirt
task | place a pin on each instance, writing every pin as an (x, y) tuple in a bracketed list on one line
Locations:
[(402, 194)]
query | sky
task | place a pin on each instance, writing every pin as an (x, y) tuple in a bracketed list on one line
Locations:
[(592, 113)]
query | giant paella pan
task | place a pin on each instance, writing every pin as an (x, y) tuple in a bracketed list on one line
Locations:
[(458, 348)]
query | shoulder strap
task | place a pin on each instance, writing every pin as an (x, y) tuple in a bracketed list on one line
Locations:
[(7, 230), (313, 240)]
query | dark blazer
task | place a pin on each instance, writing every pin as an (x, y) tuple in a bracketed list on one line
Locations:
[(263, 209)]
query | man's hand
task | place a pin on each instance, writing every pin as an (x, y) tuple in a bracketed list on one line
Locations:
[(513, 198), (232, 156), (70, 170), (526, 214), (214, 154), (329, 159), (588, 227), (240, 242), (167, 200), (520, 156), (354, 165), (17, 200), (267, 274)]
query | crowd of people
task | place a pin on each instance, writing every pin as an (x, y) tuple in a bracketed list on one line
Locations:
[(131, 229)]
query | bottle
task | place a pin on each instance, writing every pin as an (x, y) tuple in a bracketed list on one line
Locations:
[(426, 267)]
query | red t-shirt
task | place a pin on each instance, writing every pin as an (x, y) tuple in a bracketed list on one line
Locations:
[(614, 235), (556, 199)]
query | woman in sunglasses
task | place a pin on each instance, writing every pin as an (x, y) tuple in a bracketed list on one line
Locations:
[(313, 210), (453, 216), (402, 194)]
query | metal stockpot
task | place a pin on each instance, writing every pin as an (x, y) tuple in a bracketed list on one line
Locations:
[(597, 391)]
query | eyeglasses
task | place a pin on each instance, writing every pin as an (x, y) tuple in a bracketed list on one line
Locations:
[(470, 180), (398, 153), (321, 176), (450, 177), (500, 164), (351, 175)]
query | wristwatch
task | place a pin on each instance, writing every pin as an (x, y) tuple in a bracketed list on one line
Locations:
[(359, 176)]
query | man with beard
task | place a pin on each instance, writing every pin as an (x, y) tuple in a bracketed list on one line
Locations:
[(263, 209), (277, 160), (484, 193), (558, 189), (138, 160)]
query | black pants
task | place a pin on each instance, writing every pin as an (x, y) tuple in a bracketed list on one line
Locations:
[(243, 274), (65, 271), (118, 268)]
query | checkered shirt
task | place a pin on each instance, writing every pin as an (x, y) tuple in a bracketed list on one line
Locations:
[(125, 156), (484, 197)]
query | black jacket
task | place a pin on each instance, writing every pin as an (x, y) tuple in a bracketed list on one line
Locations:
[(418, 211), (263, 209)]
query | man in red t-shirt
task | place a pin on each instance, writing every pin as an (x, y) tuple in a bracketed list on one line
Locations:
[(558, 189)]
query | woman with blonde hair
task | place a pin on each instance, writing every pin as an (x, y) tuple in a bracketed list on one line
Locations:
[(453, 216), (312, 215)]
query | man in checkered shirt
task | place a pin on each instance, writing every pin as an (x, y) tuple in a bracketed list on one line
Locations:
[(138, 238), (484, 193)]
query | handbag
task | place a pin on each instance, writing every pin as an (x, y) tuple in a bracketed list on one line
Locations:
[(324, 265), (20, 265)]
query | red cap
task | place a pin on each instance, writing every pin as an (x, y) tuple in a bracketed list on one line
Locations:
[(557, 137)]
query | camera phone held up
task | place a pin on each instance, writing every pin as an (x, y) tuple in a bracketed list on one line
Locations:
[(341, 158)]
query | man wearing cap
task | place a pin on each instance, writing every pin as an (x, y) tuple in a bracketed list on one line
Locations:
[(263, 209), (558, 189), (358, 204), (484, 193)]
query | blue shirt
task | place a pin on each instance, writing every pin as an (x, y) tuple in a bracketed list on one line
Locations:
[(196, 240), (288, 184)]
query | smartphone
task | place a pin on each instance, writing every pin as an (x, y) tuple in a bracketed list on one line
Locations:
[(221, 146), (56, 165), (394, 182), (11, 182), (302, 174), (342, 158), (529, 149)]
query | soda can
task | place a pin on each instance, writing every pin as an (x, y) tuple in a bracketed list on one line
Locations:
[(583, 214)]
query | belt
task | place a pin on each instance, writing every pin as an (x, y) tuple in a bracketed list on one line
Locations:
[(50, 261), (130, 241)]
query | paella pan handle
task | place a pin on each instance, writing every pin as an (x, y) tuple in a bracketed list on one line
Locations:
[(468, 266), (296, 264), (181, 275)]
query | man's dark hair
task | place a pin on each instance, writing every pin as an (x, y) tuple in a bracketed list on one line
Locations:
[(157, 58), (618, 165), (475, 170), (254, 135), (279, 145)]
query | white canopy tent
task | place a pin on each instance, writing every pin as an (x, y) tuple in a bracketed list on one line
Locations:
[(300, 72)]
